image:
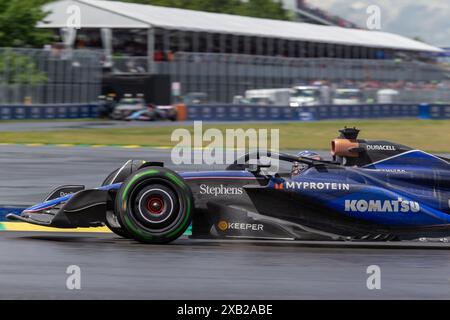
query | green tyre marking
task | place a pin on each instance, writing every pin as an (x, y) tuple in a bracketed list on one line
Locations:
[(137, 177), (183, 225), (127, 220), (175, 179), (137, 231)]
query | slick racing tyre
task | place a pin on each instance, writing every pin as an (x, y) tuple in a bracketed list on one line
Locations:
[(113, 224), (112, 221), (154, 205)]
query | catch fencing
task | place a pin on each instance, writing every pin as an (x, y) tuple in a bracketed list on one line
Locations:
[(40, 76), (223, 76)]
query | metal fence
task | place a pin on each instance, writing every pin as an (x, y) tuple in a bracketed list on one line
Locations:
[(223, 76), (130, 65), (33, 76), (38, 76), (414, 95)]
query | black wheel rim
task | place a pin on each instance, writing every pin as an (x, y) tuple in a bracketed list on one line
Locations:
[(157, 207)]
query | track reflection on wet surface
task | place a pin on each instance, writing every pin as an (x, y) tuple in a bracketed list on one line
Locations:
[(33, 265)]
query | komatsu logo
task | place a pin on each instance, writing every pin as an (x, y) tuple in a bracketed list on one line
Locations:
[(399, 205)]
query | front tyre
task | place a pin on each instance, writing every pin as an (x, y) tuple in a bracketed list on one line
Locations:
[(154, 205), (113, 224)]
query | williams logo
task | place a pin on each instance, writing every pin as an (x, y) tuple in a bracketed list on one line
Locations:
[(225, 226), (312, 186), (63, 194), (220, 190), (380, 206)]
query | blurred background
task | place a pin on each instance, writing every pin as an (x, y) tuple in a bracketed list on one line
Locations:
[(140, 52), (72, 72)]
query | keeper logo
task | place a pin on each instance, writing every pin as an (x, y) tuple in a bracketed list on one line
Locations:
[(224, 226)]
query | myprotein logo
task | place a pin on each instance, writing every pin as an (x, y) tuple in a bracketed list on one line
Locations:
[(225, 226), (220, 190), (312, 186), (379, 147), (380, 206)]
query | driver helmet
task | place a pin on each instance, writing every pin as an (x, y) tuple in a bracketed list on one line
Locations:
[(309, 154), (298, 168)]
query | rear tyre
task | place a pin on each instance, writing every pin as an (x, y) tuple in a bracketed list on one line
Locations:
[(154, 205)]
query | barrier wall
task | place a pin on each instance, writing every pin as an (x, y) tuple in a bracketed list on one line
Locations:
[(439, 111), (42, 112), (229, 112), (314, 113)]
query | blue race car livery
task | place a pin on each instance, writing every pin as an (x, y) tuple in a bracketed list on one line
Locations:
[(371, 190)]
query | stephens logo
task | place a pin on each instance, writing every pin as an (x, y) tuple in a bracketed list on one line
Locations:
[(312, 186), (220, 190), (224, 226), (379, 206)]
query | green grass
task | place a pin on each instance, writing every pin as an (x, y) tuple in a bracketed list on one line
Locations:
[(433, 136)]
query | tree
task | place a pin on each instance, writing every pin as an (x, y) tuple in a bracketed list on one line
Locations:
[(18, 20), (268, 9), (16, 68), (254, 8)]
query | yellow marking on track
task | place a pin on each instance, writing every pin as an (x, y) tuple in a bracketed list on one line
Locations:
[(65, 145), (35, 144), (69, 145), (25, 227)]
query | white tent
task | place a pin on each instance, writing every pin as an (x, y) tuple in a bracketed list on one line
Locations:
[(118, 15)]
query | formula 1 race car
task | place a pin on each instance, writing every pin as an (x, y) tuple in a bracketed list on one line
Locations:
[(370, 191), (154, 113)]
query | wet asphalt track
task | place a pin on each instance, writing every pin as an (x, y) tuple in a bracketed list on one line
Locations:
[(33, 265), (78, 124), (94, 124)]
